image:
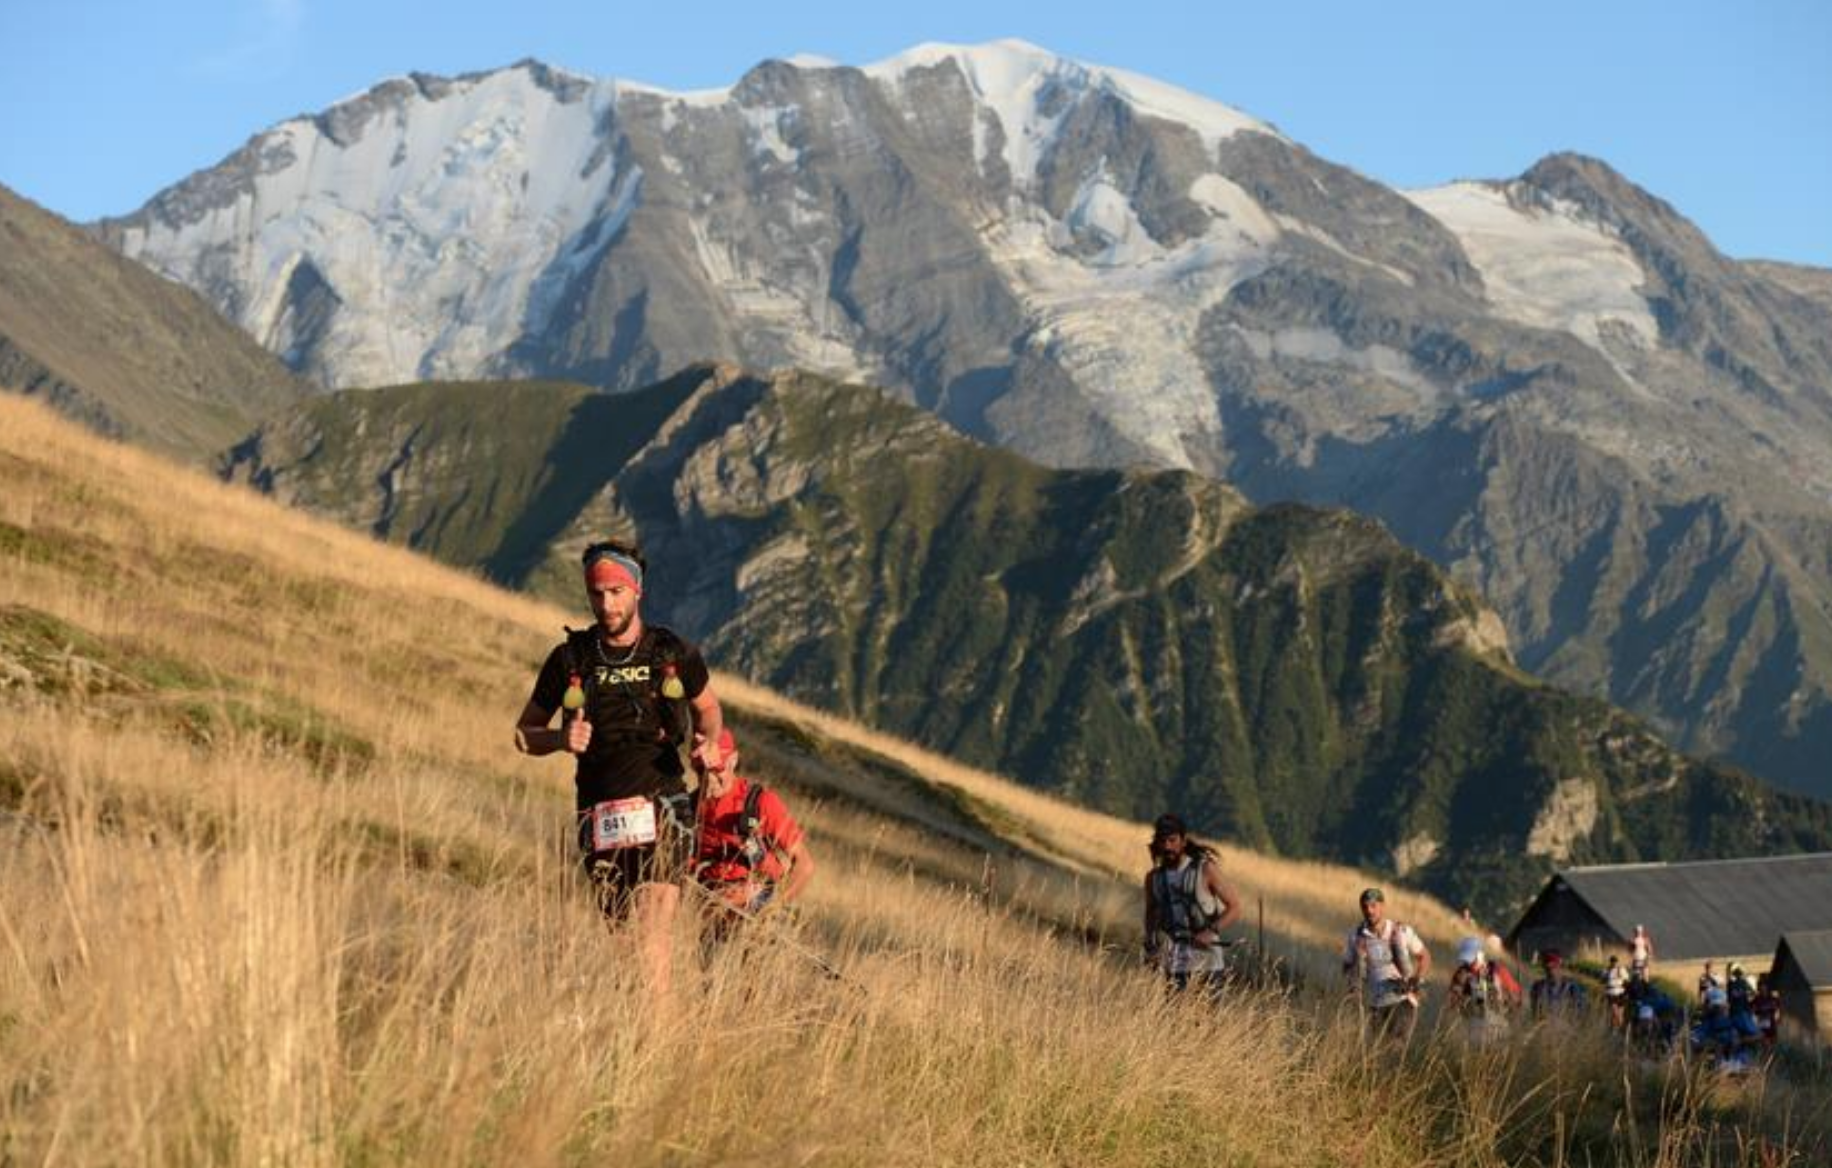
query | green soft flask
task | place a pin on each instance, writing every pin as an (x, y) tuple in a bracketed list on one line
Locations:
[(672, 689)]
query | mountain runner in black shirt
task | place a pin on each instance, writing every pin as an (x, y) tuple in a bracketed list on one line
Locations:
[(631, 695)]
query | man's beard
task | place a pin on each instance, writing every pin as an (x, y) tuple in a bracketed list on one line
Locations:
[(613, 627)]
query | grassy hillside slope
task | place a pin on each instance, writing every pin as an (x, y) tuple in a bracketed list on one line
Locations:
[(120, 348), (275, 889)]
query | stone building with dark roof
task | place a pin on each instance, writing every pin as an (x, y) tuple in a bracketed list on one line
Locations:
[(1802, 975), (1711, 910)]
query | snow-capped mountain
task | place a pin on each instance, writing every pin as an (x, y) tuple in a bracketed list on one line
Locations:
[(436, 229), (1553, 384)]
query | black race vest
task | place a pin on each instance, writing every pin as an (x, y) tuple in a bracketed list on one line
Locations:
[(623, 689)]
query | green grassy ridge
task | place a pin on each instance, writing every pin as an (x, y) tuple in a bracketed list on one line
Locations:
[(481, 473), (1291, 677), (467, 455), (1322, 617)]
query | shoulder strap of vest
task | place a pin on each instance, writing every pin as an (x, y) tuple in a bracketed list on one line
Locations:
[(1174, 893), (664, 643), (578, 642), (1397, 947), (664, 648), (750, 849), (752, 818), (1161, 887)]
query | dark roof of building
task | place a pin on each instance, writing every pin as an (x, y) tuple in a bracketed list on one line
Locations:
[(1711, 908), (1812, 952)]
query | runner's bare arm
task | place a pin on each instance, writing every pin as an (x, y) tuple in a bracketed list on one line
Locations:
[(801, 870), (1222, 890), (1421, 956), (708, 721), (532, 735)]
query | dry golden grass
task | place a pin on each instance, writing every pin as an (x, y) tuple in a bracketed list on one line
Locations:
[(275, 890), (1308, 903)]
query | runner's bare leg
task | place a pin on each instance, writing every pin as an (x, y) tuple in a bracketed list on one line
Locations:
[(652, 911)]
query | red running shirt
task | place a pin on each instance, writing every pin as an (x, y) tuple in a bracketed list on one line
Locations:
[(718, 839)]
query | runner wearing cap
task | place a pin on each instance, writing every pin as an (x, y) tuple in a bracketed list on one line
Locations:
[(749, 851), (1188, 903), (1386, 963), (632, 694), (1481, 990)]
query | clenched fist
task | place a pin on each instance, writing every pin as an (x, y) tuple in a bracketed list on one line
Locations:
[(578, 733)]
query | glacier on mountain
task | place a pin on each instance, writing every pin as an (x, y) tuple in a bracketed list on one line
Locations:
[(1549, 267), (443, 221), (449, 220)]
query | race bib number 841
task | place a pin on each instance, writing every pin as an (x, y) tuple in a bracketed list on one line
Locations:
[(622, 823)]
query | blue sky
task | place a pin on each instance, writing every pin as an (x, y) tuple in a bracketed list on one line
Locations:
[(1722, 109)]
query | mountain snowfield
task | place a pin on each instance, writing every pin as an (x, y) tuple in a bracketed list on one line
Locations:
[(1552, 384), (449, 221), (448, 218), (1548, 267)]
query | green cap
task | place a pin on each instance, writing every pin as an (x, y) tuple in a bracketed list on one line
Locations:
[(1368, 894)]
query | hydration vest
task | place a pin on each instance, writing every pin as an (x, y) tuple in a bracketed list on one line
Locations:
[(749, 851), (1399, 957), (1177, 895), (623, 694), (1550, 995), (1481, 990)]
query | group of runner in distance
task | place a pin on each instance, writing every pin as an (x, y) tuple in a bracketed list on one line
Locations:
[(630, 696)]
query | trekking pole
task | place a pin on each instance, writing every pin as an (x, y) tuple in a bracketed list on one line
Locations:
[(1260, 944), (789, 943)]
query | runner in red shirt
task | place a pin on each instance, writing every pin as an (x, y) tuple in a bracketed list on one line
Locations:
[(749, 851)]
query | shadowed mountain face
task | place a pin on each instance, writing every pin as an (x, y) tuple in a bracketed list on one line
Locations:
[(126, 352), (1555, 386), (1291, 676)]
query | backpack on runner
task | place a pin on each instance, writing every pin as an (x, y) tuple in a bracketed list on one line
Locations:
[(1183, 904), (747, 852), (1394, 953)]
